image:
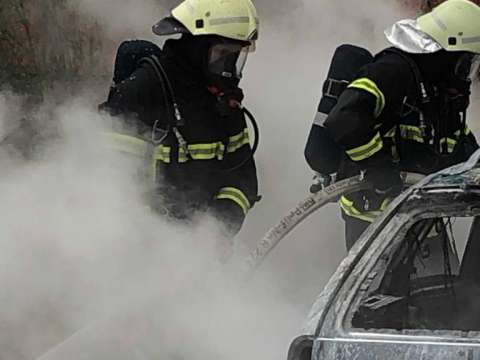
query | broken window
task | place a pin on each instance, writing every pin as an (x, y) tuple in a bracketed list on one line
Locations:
[(430, 280)]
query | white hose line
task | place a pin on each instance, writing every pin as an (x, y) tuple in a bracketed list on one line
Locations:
[(306, 208)]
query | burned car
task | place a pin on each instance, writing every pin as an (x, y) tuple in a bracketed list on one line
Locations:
[(410, 288)]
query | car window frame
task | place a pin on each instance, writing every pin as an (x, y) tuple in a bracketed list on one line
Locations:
[(361, 277)]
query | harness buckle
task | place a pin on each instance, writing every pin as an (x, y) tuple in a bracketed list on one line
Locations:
[(162, 133), (333, 88)]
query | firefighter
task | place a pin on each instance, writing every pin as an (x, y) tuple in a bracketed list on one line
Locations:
[(428, 5), (406, 110), (181, 106)]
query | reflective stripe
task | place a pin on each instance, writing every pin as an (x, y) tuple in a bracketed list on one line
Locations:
[(369, 86), (230, 20), (369, 216), (367, 150), (470, 40), (390, 133), (208, 151), (439, 22), (319, 118), (126, 143), (451, 143), (237, 141), (162, 153), (236, 196), (215, 150), (182, 156), (411, 132)]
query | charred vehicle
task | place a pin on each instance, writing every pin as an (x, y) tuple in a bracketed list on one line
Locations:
[(410, 288)]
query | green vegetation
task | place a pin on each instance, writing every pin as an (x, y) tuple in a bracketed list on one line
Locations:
[(45, 41)]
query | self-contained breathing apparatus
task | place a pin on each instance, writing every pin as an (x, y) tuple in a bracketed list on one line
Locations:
[(325, 156), (130, 56)]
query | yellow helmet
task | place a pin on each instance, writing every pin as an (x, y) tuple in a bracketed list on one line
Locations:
[(233, 19), (454, 24)]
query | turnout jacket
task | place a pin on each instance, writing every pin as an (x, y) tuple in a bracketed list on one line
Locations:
[(201, 174), (378, 119)]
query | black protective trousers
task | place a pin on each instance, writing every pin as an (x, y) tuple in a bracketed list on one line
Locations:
[(354, 228)]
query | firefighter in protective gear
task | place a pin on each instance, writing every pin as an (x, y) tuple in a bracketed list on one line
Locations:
[(184, 104), (406, 110), (428, 5)]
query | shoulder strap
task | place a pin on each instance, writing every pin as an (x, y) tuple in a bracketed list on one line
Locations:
[(420, 84), (422, 92), (169, 95)]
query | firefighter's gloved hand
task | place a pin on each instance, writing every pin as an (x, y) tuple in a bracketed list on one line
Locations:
[(320, 182), (386, 179)]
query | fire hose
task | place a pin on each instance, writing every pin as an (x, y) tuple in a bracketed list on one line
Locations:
[(304, 209)]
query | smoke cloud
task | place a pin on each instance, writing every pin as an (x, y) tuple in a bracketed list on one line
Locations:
[(89, 272)]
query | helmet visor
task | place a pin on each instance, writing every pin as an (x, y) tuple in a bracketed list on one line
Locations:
[(228, 59), (467, 67)]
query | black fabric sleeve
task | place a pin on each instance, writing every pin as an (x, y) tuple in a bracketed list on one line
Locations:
[(372, 99), (238, 184)]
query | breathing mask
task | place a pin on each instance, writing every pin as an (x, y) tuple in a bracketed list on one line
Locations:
[(467, 67), (465, 71), (227, 58)]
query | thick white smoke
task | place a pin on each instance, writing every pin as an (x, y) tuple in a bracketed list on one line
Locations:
[(80, 249)]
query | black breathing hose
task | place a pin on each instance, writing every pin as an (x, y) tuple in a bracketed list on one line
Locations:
[(256, 132), (155, 63)]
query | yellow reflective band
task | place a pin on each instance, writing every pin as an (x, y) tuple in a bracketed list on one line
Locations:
[(206, 151), (451, 143), (467, 130), (350, 210), (410, 132), (126, 143), (182, 156), (385, 203), (236, 196), (367, 150), (390, 133), (237, 141), (369, 86), (162, 153)]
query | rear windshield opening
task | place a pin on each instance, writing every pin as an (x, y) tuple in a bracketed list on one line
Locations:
[(430, 281)]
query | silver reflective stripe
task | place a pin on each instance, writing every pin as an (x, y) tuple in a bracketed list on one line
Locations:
[(471, 40), (439, 22), (319, 119), (230, 20)]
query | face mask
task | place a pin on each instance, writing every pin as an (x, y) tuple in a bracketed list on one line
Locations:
[(458, 89), (467, 66), (228, 59)]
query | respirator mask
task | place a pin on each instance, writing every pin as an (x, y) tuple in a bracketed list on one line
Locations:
[(465, 72), (226, 61)]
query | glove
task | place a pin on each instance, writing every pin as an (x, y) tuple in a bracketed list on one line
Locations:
[(385, 178), (320, 182)]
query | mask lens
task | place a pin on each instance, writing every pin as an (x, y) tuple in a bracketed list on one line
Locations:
[(241, 61), (467, 67), (227, 60), (474, 69)]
